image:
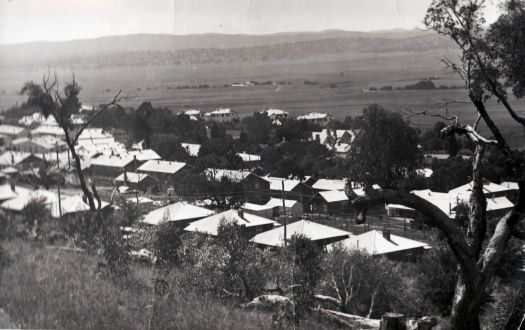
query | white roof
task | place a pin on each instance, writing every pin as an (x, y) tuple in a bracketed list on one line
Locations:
[(221, 111), (192, 112), (248, 157), (398, 206), (374, 243), (329, 184), (74, 204), (440, 200), (342, 147), (275, 112), (312, 230), (510, 185), (314, 115), (463, 192), (24, 197), (94, 134), (48, 141), (35, 118), (232, 175), (276, 183), (176, 212), (112, 161), (7, 193), (48, 130), (498, 203), (210, 225), (10, 129), (144, 155), (279, 202), (132, 177), (161, 166), (141, 200), (334, 196), (426, 172), (192, 148), (20, 140), (9, 158), (256, 207)]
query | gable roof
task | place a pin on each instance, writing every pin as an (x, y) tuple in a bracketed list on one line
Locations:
[(144, 155), (112, 161), (210, 225), (161, 166), (24, 197), (74, 204), (176, 212), (374, 243), (248, 157), (331, 196), (276, 183), (10, 158), (132, 177), (312, 230), (314, 115), (6, 192), (510, 185), (329, 184), (10, 129), (464, 191)]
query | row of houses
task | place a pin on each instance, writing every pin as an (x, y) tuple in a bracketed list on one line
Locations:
[(226, 115), (264, 231)]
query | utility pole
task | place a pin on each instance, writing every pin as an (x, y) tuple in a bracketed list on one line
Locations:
[(58, 184), (284, 212)]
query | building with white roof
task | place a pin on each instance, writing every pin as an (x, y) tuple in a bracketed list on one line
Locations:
[(329, 184), (252, 223), (11, 132), (318, 233), (138, 181), (276, 114), (221, 115), (180, 213), (23, 160), (384, 243), (17, 204), (167, 173), (255, 187), (293, 188), (39, 144), (193, 113), (36, 118), (274, 208), (72, 205), (490, 189), (317, 118), (10, 191), (111, 166), (248, 158)]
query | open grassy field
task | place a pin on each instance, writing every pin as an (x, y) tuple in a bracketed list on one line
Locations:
[(340, 78)]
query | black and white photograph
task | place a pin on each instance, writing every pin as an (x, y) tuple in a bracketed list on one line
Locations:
[(262, 164)]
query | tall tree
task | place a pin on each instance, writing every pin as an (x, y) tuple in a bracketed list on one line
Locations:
[(61, 106), (386, 150), (485, 73)]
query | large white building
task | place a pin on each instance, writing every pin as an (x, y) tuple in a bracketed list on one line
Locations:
[(317, 118), (221, 115)]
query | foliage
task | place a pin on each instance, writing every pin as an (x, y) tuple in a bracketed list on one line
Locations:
[(34, 214), (167, 243), (386, 150), (116, 252)]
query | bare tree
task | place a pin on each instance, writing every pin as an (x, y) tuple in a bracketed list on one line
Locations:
[(61, 106)]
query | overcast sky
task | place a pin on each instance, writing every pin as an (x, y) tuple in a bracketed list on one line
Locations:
[(39, 20)]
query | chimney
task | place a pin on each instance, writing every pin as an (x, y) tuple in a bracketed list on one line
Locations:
[(13, 187), (386, 234)]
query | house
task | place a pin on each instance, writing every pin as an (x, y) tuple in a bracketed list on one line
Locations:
[(49, 127), (20, 160), (321, 234), (192, 149), (384, 243), (293, 188), (221, 115), (76, 204), (425, 172), (332, 201), (17, 204), (400, 212), (136, 181), (194, 114), (490, 189), (249, 159), (95, 136), (180, 213), (317, 118), (35, 119), (255, 188), (9, 133), (330, 137), (513, 192), (329, 184), (141, 156), (275, 114), (251, 223), (167, 173), (39, 145), (274, 208), (111, 166), (10, 191)]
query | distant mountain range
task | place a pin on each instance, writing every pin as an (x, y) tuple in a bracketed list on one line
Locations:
[(160, 49)]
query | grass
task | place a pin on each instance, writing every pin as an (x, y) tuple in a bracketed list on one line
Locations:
[(52, 288)]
